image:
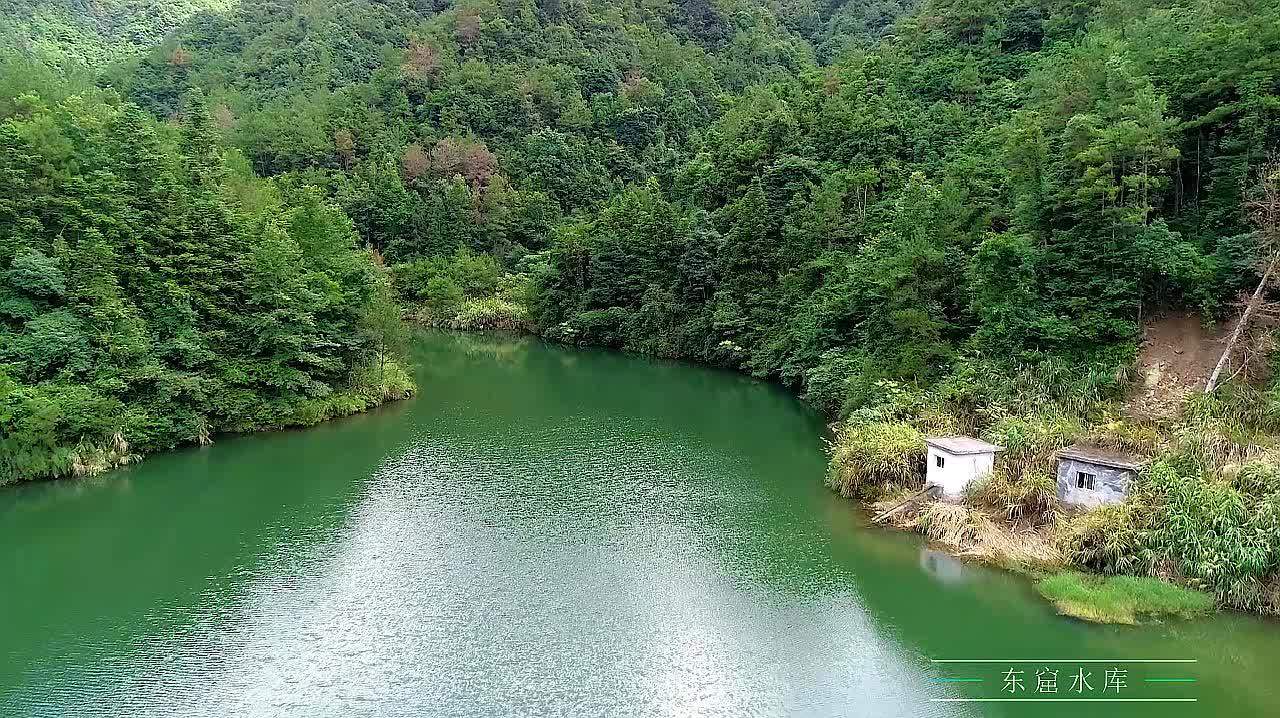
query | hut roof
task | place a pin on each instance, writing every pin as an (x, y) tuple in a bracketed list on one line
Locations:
[(1102, 457), (962, 445)]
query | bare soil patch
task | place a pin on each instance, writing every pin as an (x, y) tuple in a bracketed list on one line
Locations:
[(1176, 357)]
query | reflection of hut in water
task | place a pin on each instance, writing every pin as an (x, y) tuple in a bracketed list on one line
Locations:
[(945, 568)]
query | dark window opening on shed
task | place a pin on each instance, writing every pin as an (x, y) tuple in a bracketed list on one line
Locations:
[(939, 461), (1084, 480)]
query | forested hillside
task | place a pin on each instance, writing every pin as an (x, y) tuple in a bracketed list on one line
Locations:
[(952, 215), (793, 190), (1012, 186), (75, 35), (153, 292), (415, 119)]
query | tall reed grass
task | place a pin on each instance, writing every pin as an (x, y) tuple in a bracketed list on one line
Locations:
[(870, 456)]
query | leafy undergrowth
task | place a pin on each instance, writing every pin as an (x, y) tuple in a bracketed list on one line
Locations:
[(1122, 599), (474, 315), (370, 386), (373, 387)]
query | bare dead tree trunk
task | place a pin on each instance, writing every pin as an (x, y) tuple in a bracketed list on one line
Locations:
[(1264, 209), (1254, 302)]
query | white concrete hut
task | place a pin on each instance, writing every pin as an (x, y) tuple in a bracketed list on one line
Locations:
[(956, 461)]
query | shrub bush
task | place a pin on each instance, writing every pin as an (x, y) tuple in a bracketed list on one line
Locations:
[(490, 313), (1032, 495), (866, 456), (1030, 441), (1105, 540), (442, 296), (1209, 532)]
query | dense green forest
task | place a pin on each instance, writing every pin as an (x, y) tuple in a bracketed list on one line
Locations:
[(805, 192), (154, 292), (85, 34), (946, 215)]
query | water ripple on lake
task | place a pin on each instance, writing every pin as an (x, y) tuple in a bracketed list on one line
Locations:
[(577, 568)]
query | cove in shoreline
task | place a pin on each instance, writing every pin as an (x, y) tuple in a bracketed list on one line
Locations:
[(541, 528)]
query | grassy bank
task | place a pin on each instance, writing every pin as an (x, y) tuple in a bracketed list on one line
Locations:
[(370, 386), (475, 315), (1121, 599), (1204, 515), (464, 292)]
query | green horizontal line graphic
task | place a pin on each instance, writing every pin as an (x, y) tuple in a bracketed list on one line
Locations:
[(1169, 680), (1063, 700), (1062, 660), (958, 680)]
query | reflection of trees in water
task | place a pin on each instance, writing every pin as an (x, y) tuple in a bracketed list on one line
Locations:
[(438, 355), (728, 468), (504, 348), (35, 497), (186, 530)]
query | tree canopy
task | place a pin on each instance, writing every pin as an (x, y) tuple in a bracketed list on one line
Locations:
[(835, 195)]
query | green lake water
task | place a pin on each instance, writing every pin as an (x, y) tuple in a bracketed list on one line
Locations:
[(544, 533)]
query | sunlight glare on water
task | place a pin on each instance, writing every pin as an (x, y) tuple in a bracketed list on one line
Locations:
[(537, 533)]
